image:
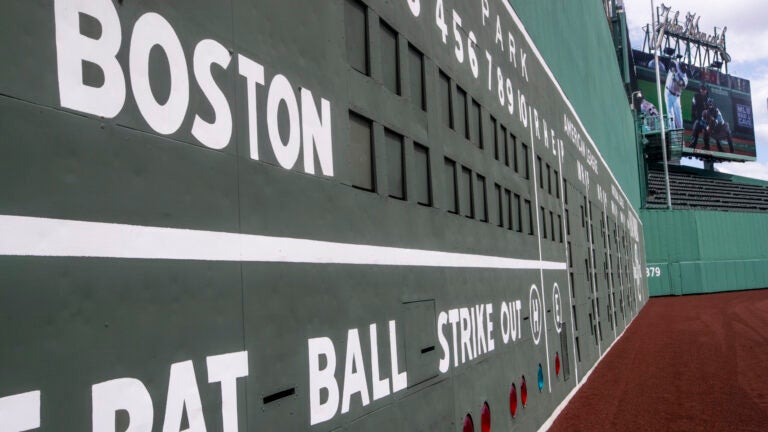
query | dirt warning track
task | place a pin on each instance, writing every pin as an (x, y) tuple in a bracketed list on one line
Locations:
[(693, 363)]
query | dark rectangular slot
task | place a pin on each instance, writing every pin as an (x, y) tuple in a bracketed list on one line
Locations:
[(499, 205), (578, 349), (540, 169), (495, 137), (421, 177), (510, 209), (467, 199), (361, 152), (513, 144), (526, 170), (518, 213), (529, 210), (390, 58), (395, 171), (565, 190), (461, 113), (356, 24), (543, 223), (575, 320), (482, 201), (504, 146), (476, 125), (505, 222), (451, 199), (427, 349), (573, 290), (566, 354), (552, 225), (416, 69), (279, 395), (446, 102)]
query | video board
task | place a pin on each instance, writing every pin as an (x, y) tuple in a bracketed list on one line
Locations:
[(731, 98)]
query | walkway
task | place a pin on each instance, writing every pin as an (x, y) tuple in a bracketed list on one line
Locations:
[(693, 363)]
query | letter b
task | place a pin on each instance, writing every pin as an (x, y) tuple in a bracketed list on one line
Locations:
[(72, 48), (322, 379)]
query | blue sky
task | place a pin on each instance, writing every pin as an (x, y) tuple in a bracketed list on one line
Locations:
[(747, 43)]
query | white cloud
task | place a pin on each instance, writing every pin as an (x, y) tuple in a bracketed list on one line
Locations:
[(757, 170)]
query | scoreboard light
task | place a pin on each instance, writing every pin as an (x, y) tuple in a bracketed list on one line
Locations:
[(540, 378), (485, 418), (513, 400), (468, 425)]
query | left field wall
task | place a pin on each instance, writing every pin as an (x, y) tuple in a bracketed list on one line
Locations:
[(343, 215)]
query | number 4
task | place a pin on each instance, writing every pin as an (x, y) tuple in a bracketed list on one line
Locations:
[(440, 20)]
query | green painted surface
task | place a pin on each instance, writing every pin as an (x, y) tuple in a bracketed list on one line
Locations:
[(714, 251), (575, 40), (139, 255)]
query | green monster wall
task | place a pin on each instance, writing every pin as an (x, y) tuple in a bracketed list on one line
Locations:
[(695, 252), (575, 40)]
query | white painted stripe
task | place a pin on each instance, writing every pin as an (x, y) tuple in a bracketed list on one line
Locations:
[(31, 236), (564, 223), (20, 412), (540, 225), (551, 420), (567, 101)]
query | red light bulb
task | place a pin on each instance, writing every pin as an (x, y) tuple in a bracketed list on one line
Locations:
[(557, 364), (468, 425), (524, 392), (513, 400), (485, 418)]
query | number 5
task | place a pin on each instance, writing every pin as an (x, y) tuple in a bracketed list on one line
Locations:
[(457, 36)]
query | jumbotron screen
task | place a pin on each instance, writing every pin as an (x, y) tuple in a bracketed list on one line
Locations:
[(730, 112)]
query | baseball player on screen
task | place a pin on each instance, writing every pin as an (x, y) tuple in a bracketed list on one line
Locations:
[(677, 80)]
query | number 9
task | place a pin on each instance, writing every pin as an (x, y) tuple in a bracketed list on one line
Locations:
[(415, 6)]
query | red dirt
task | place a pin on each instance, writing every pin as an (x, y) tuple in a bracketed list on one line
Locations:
[(693, 363)]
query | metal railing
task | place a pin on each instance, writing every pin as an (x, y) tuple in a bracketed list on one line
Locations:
[(652, 124)]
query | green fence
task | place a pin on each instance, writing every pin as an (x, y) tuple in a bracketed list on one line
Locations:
[(695, 252)]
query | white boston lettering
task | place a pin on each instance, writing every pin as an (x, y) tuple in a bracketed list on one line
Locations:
[(73, 49), (316, 129), (309, 126), (280, 91), (254, 74), (153, 30), (215, 135)]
